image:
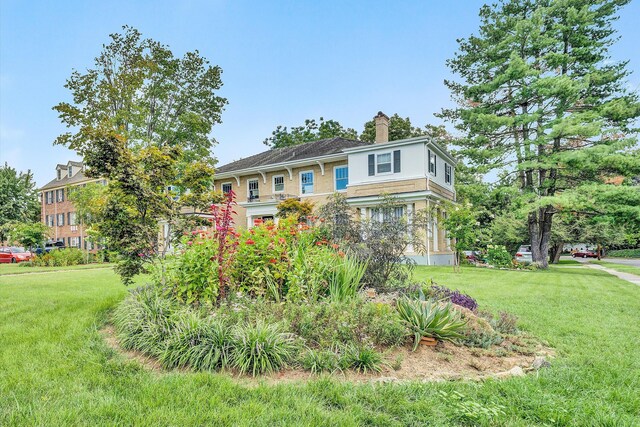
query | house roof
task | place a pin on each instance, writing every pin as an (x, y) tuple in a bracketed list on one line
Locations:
[(309, 150), (78, 177)]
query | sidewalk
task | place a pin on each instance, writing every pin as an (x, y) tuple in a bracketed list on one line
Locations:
[(632, 278)]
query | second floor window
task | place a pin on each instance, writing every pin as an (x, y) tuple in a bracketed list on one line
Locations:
[(278, 184), (306, 182), (60, 220), (447, 174), (50, 220), (71, 218), (432, 162), (49, 195), (60, 195), (342, 178), (254, 192), (383, 162)]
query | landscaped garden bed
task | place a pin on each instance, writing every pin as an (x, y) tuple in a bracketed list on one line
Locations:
[(291, 298)]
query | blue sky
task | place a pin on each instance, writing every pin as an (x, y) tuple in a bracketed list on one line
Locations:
[(283, 62)]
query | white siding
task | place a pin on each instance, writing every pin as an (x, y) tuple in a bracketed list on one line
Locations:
[(411, 164)]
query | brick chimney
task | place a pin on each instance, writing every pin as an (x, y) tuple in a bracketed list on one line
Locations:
[(382, 127)]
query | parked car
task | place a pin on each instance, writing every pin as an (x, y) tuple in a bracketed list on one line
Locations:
[(584, 254), (471, 256), (48, 247), (524, 255), (12, 254)]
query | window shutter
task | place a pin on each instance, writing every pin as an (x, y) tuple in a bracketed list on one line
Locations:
[(396, 161), (372, 164)]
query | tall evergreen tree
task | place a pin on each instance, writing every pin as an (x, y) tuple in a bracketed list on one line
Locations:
[(540, 99)]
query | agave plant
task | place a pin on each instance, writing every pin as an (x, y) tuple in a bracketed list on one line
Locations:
[(430, 319)]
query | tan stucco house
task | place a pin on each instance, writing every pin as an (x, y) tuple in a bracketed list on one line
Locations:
[(418, 171)]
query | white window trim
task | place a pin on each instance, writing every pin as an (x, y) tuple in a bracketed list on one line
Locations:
[(311, 171), (225, 183), (447, 167), (249, 189), (335, 180), (435, 164), (273, 184), (390, 153)]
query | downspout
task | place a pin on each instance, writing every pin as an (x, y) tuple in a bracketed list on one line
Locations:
[(428, 229)]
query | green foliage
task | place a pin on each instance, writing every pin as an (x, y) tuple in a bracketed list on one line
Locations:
[(261, 348), (18, 199), (540, 101), (144, 320), (481, 339), (498, 256), (142, 119), (192, 276), (625, 253), (469, 410), (506, 323), (461, 226), (361, 359), (294, 208), (63, 257), (28, 234), (201, 343), (430, 319), (310, 131), (345, 277), (318, 361)]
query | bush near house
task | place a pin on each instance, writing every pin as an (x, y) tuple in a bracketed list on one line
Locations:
[(625, 253)]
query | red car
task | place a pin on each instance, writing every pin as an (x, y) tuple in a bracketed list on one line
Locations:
[(584, 254), (14, 254)]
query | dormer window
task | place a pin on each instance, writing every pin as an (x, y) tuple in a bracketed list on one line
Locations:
[(59, 174), (70, 171)]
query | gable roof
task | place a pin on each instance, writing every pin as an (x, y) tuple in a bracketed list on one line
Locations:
[(308, 150), (78, 177)]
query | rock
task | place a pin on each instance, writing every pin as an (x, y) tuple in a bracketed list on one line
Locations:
[(516, 371), (540, 362)]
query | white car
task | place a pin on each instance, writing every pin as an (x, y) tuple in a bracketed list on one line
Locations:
[(524, 255)]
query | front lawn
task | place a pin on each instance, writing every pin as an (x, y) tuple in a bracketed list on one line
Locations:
[(55, 368), (619, 267)]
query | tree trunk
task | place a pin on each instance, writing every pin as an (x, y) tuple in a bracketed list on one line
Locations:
[(556, 251), (540, 234)]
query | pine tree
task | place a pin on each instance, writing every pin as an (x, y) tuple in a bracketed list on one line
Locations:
[(541, 100)]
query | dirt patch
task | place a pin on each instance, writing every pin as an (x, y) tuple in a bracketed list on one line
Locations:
[(445, 362)]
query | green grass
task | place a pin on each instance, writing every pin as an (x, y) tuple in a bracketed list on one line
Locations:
[(568, 262), (619, 267), (56, 370), (19, 269)]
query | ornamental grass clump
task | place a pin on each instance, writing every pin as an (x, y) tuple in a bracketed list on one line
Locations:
[(345, 278), (143, 321), (317, 361), (261, 348), (361, 359), (201, 343), (430, 319)]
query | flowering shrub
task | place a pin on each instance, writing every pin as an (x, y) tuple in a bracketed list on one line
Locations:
[(498, 256), (455, 296)]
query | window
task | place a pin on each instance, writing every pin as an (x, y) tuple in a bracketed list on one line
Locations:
[(432, 162), (226, 187), (386, 215), (60, 195), (50, 220), (447, 173), (383, 163), (342, 177), (254, 192), (306, 182), (60, 220), (278, 183), (71, 218), (49, 195), (70, 171), (59, 174), (74, 242)]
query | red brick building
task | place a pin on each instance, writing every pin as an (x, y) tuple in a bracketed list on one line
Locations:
[(58, 212)]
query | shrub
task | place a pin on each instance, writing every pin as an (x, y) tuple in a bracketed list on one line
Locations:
[(199, 342), (498, 256), (625, 253), (261, 348), (143, 320), (62, 258), (481, 339), (361, 359), (318, 361), (294, 208), (194, 276), (430, 319), (455, 296)]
